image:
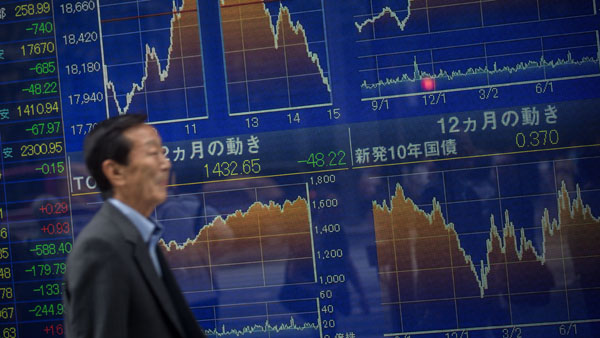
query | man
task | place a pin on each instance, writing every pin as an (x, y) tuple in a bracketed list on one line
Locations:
[(117, 283)]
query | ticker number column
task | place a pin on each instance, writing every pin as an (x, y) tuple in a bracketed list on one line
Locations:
[(35, 230)]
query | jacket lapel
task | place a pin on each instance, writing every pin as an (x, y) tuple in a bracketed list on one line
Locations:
[(144, 263)]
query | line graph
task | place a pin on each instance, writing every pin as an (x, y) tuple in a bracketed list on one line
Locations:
[(273, 61), (495, 256), (490, 64), (233, 251), (386, 11), (269, 237), (272, 318), (162, 74), (407, 49), (429, 16)]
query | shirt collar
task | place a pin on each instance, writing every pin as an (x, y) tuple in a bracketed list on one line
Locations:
[(148, 228)]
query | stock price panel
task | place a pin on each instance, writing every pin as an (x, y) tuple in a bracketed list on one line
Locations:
[(35, 211), (378, 168)]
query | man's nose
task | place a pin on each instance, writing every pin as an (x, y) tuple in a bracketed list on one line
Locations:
[(166, 163)]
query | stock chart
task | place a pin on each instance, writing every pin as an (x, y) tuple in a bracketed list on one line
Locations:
[(373, 168)]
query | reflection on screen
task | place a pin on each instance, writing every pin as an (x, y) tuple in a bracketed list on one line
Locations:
[(407, 168)]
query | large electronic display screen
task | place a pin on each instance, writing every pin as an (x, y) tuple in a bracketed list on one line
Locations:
[(340, 169)]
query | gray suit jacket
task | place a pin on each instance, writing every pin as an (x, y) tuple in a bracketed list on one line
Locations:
[(112, 289)]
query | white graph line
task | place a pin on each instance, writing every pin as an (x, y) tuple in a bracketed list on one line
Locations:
[(386, 11)]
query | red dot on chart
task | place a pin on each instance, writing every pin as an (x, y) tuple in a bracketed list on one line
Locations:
[(428, 83)]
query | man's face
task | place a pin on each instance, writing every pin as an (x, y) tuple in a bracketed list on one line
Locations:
[(147, 173)]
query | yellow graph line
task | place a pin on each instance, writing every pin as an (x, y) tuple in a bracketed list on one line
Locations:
[(477, 156)]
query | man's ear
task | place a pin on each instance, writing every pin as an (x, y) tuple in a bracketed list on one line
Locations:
[(113, 172)]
